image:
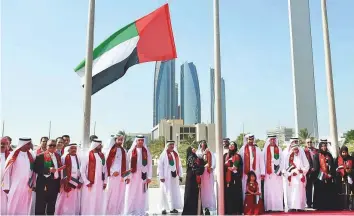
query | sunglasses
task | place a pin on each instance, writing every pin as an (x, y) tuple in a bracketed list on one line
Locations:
[(51, 145)]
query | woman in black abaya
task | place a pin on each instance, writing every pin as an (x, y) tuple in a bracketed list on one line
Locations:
[(233, 181), (195, 167)]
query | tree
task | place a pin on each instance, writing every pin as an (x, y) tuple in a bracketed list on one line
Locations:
[(260, 143), (157, 146), (190, 140), (349, 136), (127, 140), (239, 140), (303, 135)]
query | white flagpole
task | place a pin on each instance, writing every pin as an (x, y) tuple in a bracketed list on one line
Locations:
[(218, 116), (329, 77), (3, 129), (88, 75), (50, 129)]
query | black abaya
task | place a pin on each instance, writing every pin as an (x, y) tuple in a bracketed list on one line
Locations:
[(325, 193), (233, 192), (191, 190)]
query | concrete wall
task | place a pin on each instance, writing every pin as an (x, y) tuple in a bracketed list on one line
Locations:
[(302, 66)]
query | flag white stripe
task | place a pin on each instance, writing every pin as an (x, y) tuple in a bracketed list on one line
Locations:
[(111, 57)]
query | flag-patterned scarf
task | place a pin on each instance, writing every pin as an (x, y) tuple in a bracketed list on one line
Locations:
[(134, 159), (346, 164), (111, 157), (48, 163), (269, 157), (324, 163), (209, 161), (235, 162), (92, 165), (171, 161), (248, 158), (14, 157), (67, 170)]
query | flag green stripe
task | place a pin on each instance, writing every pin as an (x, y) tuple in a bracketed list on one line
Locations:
[(118, 37)]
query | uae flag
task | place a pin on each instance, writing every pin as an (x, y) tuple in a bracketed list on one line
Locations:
[(150, 38)]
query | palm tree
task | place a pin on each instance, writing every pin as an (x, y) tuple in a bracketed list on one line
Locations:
[(128, 141), (190, 140), (303, 135)]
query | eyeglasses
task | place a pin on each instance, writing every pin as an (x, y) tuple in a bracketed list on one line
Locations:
[(309, 142)]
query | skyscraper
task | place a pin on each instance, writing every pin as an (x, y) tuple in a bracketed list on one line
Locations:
[(302, 67), (190, 94), (164, 106), (223, 102)]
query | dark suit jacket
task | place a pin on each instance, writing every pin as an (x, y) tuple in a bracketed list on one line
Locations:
[(52, 185)]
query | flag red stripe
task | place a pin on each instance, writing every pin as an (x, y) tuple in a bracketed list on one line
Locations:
[(156, 42)]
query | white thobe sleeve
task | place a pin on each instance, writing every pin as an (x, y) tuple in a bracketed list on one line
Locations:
[(281, 158), (261, 162), (79, 171), (6, 180), (126, 164), (305, 164), (160, 166), (149, 171), (213, 160), (83, 171)]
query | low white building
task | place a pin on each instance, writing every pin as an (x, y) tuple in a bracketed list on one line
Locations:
[(175, 129)]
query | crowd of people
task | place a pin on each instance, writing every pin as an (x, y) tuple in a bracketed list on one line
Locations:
[(60, 178)]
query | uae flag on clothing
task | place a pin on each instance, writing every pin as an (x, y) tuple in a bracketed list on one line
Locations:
[(149, 38)]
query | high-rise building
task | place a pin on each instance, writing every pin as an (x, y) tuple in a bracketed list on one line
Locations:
[(223, 102), (175, 105), (302, 67), (283, 133), (164, 106), (190, 94)]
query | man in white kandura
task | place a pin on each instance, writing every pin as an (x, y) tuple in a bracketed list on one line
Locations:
[(295, 167), (252, 158), (68, 201), (207, 179), (136, 198), (273, 181), (18, 178), (117, 167), (170, 174), (93, 170), (3, 156)]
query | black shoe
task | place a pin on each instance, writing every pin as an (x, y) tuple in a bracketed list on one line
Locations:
[(164, 212), (207, 212), (174, 211)]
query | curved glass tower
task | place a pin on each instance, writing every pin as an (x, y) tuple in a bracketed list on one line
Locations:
[(165, 101), (190, 94)]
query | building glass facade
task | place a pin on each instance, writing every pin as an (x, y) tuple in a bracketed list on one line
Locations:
[(223, 102), (164, 104), (190, 94)]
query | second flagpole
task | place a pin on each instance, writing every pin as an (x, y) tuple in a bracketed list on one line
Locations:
[(218, 116), (88, 75)]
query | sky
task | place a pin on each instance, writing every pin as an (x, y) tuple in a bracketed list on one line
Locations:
[(42, 42)]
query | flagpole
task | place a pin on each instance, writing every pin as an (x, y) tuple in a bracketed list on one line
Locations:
[(329, 78), (218, 116), (94, 128), (3, 129), (50, 128), (88, 75)]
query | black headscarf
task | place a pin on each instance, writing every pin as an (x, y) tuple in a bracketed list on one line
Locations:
[(344, 149), (232, 152), (320, 147)]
